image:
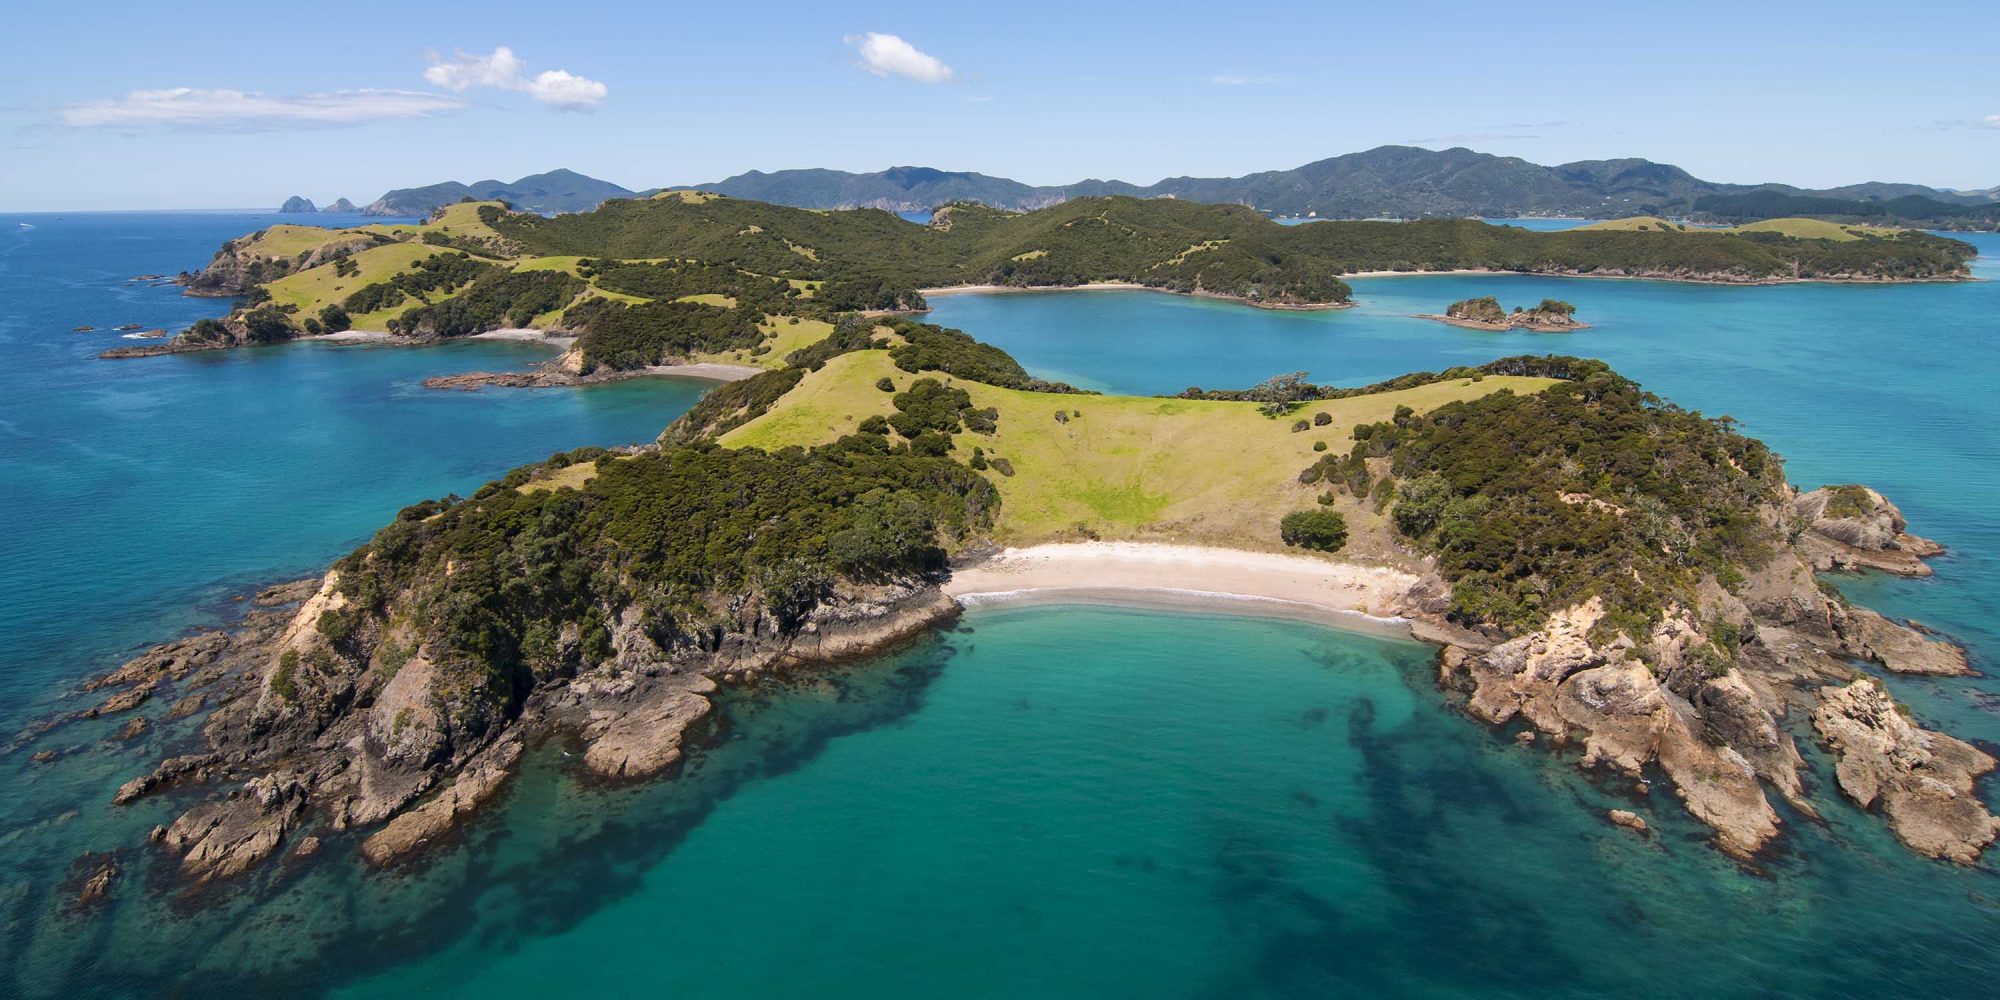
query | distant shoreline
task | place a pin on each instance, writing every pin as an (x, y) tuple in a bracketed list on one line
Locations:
[(1746, 282), (1129, 286)]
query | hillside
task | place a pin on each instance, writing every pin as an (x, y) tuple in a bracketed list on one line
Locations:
[(686, 276), (1801, 228), (552, 192), (1385, 182)]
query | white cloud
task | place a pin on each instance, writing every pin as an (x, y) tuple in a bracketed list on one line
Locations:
[(1993, 121), (566, 90), (1233, 80), (889, 55), (503, 69), (187, 107)]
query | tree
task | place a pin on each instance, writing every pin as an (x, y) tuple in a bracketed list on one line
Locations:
[(1323, 530)]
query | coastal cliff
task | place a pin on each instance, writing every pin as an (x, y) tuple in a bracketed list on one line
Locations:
[(587, 595)]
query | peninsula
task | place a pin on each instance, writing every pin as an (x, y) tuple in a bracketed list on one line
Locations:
[(1602, 571), (687, 276)]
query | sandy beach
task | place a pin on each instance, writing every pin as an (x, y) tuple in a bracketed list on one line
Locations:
[(1100, 286), (560, 343), (1178, 575)]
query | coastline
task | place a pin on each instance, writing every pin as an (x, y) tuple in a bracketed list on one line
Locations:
[(1232, 581), (1745, 282), (521, 335), (1130, 286)]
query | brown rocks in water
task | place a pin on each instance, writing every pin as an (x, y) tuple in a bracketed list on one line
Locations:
[(1854, 527), (414, 829), (173, 660), (171, 770), (1563, 684), (134, 728), (187, 706), (96, 886), (647, 740), (224, 837), (286, 593), (1923, 779), (307, 847), (1627, 819), (82, 329), (123, 701), (43, 756), (1905, 649)]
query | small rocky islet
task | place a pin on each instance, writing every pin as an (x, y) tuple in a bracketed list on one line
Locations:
[(1486, 313)]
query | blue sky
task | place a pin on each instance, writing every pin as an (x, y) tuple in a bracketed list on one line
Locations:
[(211, 105)]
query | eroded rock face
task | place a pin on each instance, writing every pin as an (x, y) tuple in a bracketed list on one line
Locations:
[(646, 740), (413, 829), (1613, 699), (225, 837), (410, 742), (1854, 527), (1923, 779)]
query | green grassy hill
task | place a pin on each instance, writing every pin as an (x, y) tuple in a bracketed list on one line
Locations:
[(688, 275), (1115, 466)]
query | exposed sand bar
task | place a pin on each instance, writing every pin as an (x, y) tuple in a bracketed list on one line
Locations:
[(1182, 575)]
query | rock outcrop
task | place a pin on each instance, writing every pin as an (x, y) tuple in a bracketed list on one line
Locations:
[(1853, 527), (1486, 313), (1671, 698), (297, 205), (1923, 780), (305, 738)]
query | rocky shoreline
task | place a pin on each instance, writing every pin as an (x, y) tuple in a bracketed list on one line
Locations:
[(554, 373), (287, 769), (276, 783), (1718, 733)]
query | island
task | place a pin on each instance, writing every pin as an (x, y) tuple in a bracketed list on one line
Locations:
[(1601, 571), (686, 276), (1486, 313)]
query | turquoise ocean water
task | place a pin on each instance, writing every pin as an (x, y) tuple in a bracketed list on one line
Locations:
[(1045, 801)]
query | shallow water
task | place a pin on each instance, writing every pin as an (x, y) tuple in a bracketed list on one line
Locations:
[(1050, 801)]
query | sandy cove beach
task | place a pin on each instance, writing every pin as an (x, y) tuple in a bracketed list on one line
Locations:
[(1184, 574), (559, 342), (1097, 286)]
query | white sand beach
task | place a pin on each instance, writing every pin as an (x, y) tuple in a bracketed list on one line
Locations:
[(1100, 286), (1181, 574)]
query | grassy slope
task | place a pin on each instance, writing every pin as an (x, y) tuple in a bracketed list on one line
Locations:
[(317, 287), (784, 337), (1183, 470), (1813, 229), (1810, 229)]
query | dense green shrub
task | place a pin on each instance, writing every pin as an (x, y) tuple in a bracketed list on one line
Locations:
[(1323, 530)]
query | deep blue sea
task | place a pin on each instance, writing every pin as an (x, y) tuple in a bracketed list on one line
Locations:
[(1045, 801)]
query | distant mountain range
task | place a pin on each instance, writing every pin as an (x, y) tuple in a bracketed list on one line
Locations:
[(1385, 182), (552, 193)]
